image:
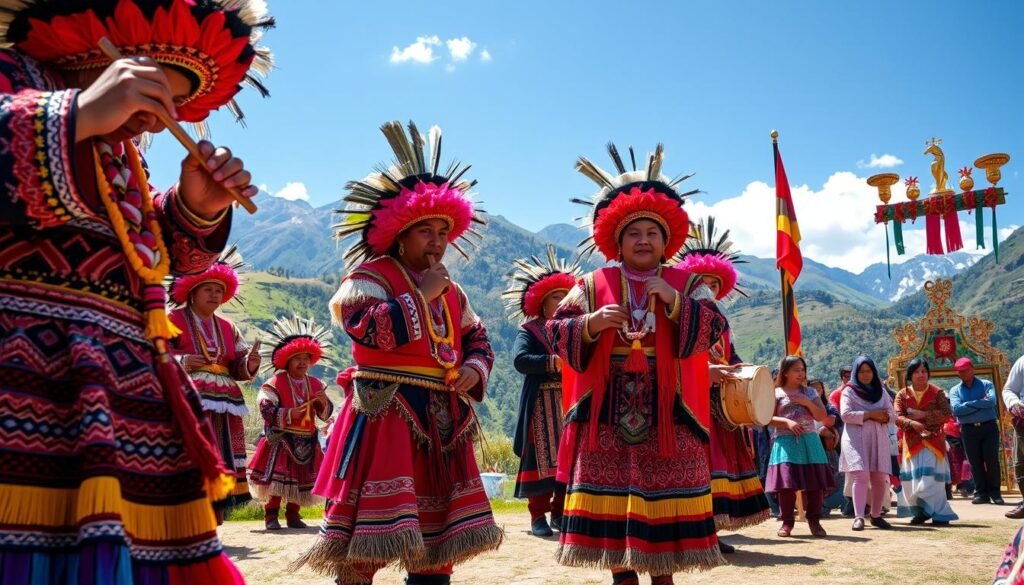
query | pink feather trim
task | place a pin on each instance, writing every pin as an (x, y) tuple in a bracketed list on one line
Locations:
[(424, 201), (220, 273), (533, 300), (712, 265), (294, 348)]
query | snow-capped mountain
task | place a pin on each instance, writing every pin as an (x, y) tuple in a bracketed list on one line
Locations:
[(909, 277)]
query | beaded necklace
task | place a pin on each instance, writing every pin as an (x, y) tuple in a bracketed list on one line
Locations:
[(442, 346), (197, 326)]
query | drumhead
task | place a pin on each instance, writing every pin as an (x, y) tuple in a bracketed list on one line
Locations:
[(761, 392)]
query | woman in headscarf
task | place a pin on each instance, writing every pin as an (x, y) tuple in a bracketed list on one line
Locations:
[(921, 411), (865, 458)]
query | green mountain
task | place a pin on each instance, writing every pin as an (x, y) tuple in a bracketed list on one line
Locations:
[(841, 317), (990, 290)]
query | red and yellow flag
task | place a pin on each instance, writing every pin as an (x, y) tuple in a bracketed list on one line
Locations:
[(788, 259)]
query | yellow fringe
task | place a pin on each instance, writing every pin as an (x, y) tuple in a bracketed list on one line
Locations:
[(220, 488), (240, 489), (101, 496), (158, 326), (591, 505)]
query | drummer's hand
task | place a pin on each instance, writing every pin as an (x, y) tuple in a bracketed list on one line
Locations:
[(206, 190), (794, 427), (717, 372), (607, 317), (663, 290), (468, 379)]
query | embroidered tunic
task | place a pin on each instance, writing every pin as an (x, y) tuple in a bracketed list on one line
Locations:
[(633, 501), (95, 482), (400, 472), (539, 427), (288, 454), (217, 383)]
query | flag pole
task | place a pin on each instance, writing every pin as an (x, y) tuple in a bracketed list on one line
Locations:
[(782, 271)]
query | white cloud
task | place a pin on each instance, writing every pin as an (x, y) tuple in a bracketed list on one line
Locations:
[(485, 55), (886, 161), (293, 192), (460, 49), (422, 51), (449, 68), (837, 222), (264, 188)]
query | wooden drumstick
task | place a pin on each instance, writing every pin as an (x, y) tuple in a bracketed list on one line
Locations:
[(190, 145)]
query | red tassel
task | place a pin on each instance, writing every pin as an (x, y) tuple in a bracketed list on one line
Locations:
[(932, 234), (636, 361), (954, 241), (197, 436)]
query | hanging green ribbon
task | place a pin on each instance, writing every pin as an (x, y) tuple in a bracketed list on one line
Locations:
[(979, 222), (897, 234), (995, 235)]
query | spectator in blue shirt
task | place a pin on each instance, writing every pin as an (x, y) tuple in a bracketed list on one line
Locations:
[(974, 405)]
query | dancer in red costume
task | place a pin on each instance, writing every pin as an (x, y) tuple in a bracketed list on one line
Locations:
[(217, 358), (634, 348), (288, 454), (109, 473), (737, 494), (536, 289), (400, 474)]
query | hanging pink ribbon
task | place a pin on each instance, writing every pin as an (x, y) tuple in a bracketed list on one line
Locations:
[(954, 241)]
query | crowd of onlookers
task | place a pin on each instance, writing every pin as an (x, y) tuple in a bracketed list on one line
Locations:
[(846, 450)]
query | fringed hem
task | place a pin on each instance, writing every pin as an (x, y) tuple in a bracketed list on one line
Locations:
[(404, 549), (221, 407), (732, 523), (289, 493), (334, 557), (459, 548), (655, 564)]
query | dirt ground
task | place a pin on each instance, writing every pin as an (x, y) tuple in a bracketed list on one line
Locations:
[(965, 552)]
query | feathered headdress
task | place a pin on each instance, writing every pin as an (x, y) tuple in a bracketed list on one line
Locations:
[(215, 41), (633, 195), (707, 253), (224, 271), (386, 203), (288, 338), (533, 280)]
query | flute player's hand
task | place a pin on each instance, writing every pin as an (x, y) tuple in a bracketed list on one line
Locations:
[(122, 101), (206, 192)]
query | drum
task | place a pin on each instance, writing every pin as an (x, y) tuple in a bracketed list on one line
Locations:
[(748, 396)]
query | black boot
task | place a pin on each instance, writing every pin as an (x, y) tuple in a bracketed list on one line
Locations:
[(540, 527), (556, 523), (625, 578), (725, 548)]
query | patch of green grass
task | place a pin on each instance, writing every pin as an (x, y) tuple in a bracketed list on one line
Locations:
[(253, 511), (508, 506)]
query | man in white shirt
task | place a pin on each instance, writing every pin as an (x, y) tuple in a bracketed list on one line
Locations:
[(1013, 399)]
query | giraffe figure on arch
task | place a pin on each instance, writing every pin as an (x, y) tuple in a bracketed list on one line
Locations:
[(938, 165)]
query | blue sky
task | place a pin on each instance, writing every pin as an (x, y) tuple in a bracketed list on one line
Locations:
[(841, 82)]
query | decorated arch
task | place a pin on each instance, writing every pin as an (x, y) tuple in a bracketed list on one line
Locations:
[(942, 336)]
